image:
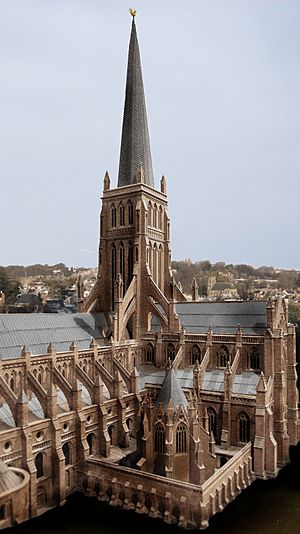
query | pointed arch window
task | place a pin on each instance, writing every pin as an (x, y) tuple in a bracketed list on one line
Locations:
[(154, 216), (113, 272), (244, 428), (254, 359), (195, 354), (39, 464), (181, 438), (149, 214), (150, 353), (160, 218), (212, 421), (130, 212), (122, 261), (67, 454), (130, 263), (159, 439), (113, 216), (122, 215), (223, 356), (171, 352)]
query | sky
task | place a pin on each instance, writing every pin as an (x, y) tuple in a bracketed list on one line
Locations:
[(223, 100)]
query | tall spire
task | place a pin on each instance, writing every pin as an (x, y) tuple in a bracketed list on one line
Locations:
[(135, 153)]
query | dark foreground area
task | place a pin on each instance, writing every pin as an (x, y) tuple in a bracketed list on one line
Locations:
[(269, 507)]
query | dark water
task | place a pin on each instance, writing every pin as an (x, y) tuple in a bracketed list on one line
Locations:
[(269, 507)]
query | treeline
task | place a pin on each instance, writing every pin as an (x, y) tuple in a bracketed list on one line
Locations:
[(10, 287), (22, 271)]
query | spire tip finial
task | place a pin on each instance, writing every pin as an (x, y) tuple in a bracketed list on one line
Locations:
[(132, 12)]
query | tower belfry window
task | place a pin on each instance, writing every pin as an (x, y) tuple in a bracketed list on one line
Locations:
[(113, 216), (122, 215), (130, 213), (122, 261), (113, 272)]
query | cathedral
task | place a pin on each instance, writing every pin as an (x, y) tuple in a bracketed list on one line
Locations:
[(144, 399)]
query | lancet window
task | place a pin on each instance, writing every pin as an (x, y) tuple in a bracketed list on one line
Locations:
[(244, 428), (113, 216), (181, 438), (212, 421), (122, 215), (67, 454), (39, 464), (159, 438), (130, 213)]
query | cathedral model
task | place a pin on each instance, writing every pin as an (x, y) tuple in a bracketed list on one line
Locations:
[(143, 399)]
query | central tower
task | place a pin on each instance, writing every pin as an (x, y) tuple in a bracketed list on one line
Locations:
[(134, 276)]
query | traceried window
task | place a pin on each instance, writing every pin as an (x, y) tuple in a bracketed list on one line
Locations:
[(195, 354), (159, 438), (171, 352), (244, 428), (181, 438), (223, 356), (254, 359), (150, 352)]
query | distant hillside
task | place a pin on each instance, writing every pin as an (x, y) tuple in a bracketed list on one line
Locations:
[(21, 271)]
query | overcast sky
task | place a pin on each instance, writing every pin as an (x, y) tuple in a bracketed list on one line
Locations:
[(223, 101)]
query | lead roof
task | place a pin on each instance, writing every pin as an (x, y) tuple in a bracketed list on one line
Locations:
[(37, 330), (223, 317)]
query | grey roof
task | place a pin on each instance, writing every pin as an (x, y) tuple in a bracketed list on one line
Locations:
[(223, 317), (135, 143), (244, 383), (171, 391), (36, 331)]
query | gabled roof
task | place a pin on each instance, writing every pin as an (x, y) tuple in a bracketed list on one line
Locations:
[(223, 317), (135, 143), (171, 391)]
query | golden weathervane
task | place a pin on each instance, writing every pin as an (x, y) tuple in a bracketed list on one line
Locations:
[(132, 11)]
